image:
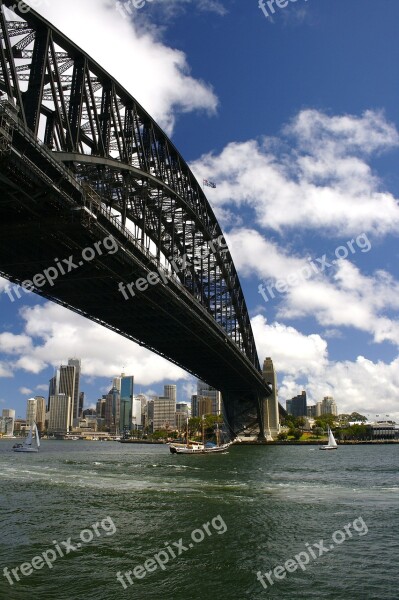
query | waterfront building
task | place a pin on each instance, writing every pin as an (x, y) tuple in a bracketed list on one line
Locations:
[(169, 391), (328, 406), (40, 412), (164, 413), (7, 422), (207, 391), (126, 402), (297, 406), (31, 404), (66, 381), (60, 414), (311, 411), (182, 414), (137, 419), (149, 415), (201, 405), (271, 409), (112, 410), (100, 407)]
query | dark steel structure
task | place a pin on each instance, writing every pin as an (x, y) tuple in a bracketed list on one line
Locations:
[(81, 160)]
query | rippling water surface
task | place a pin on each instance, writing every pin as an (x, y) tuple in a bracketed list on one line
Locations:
[(273, 500)]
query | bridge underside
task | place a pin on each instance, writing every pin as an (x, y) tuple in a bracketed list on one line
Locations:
[(38, 224), (103, 167)]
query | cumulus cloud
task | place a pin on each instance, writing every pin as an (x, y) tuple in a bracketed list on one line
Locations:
[(156, 75), (57, 334), (302, 362), (316, 176), (25, 391)]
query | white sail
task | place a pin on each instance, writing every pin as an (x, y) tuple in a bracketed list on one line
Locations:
[(331, 438), (28, 440), (37, 436)]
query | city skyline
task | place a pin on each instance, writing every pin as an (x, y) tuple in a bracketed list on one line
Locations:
[(329, 257)]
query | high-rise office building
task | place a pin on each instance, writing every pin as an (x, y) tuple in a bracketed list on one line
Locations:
[(31, 406), (126, 402), (40, 412), (66, 381), (164, 413), (75, 362), (137, 420), (169, 391), (60, 414), (7, 422), (100, 407), (328, 406), (297, 406), (201, 405), (182, 414), (149, 415), (207, 391), (271, 410), (53, 387), (112, 410), (81, 403)]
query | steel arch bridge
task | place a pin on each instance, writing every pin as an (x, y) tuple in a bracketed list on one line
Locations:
[(80, 160)]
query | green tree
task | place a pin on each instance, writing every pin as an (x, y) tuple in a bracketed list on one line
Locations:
[(282, 436)]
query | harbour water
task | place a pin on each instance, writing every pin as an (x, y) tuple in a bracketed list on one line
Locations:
[(264, 505)]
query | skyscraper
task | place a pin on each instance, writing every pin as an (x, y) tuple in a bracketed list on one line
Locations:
[(207, 391), (76, 414), (297, 406), (164, 413), (271, 410), (31, 405), (112, 410), (60, 414), (126, 402), (169, 391), (8, 421), (40, 412), (201, 405), (328, 406)]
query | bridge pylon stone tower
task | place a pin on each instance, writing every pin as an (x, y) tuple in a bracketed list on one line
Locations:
[(271, 417)]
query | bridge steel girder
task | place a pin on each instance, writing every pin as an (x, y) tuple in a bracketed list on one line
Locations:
[(104, 152)]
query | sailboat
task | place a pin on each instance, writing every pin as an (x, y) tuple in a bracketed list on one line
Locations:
[(29, 445), (198, 447), (332, 444)]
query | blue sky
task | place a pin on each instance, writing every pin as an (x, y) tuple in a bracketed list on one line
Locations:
[(296, 119)]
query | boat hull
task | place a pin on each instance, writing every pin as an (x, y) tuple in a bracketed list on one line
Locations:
[(25, 450), (185, 450), (328, 448)]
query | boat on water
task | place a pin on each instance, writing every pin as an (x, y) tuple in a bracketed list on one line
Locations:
[(200, 447), (31, 443), (332, 444)]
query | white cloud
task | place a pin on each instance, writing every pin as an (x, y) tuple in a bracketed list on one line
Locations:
[(292, 352), (338, 295), (316, 176), (301, 362), (156, 75), (25, 391), (58, 334), (43, 387)]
